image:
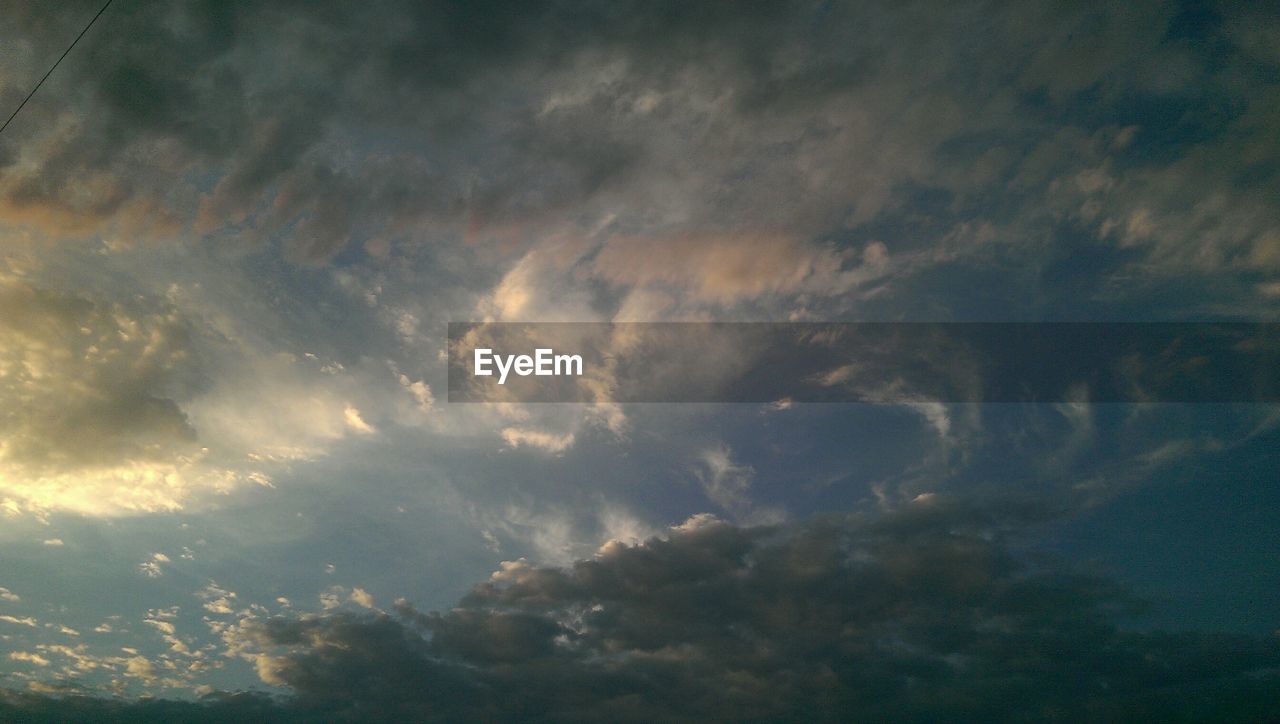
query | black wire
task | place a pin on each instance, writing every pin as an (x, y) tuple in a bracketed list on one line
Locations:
[(55, 65)]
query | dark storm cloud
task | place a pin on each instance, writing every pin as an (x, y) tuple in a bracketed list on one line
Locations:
[(22, 707), (923, 614), (315, 123), (263, 99)]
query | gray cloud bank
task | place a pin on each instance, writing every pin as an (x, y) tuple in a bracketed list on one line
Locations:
[(920, 615), (1116, 141)]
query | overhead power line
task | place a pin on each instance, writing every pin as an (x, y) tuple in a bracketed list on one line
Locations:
[(54, 66)]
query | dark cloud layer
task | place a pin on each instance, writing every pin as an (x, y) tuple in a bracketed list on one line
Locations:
[(921, 615), (311, 123), (1134, 133)]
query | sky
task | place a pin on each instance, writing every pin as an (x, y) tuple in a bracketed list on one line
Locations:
[(233, 235)]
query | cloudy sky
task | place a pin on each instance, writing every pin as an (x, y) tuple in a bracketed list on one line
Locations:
[(232, 236)]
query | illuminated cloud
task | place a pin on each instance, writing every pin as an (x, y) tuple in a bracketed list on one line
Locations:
[(82, 382), (117, 408), (29, 657), (551, 442), (728, 267), (92, 392), (356, 423), (362, 597)]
